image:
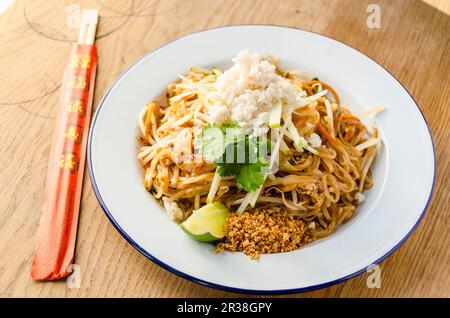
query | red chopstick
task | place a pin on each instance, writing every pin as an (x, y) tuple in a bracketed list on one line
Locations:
[(55, 244)]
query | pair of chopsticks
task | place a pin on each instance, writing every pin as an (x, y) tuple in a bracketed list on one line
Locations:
[(55, 244), (88, 27)]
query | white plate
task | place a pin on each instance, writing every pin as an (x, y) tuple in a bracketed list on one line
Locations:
[(403, 173)]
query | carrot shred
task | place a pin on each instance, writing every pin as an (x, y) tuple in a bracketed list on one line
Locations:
[(325, 134), (328, 88), (308, 89), (350, 116), (147, 123), (350, 133)]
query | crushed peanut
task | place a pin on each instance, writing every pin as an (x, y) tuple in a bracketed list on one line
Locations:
[(263, 231)]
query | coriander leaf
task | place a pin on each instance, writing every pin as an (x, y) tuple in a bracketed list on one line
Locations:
[(250, 177), (236, 154), (228, 169)]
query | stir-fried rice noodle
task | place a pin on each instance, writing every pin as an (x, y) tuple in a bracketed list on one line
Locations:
[(321, 189)]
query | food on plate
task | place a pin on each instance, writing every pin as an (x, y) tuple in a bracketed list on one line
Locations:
[(264, 231), (255, 158), (207, 223)]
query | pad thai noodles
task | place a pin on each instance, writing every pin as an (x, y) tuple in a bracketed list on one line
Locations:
[(223, 150)]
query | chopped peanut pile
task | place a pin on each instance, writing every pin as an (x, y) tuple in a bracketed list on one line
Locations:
[(263, 231)]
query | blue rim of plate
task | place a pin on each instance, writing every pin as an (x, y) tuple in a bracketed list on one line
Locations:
[(228, 288)]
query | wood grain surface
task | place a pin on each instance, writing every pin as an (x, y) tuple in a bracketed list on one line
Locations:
[(413, 43), (443, 5)]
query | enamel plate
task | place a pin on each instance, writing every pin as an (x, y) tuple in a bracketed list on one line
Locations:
[(403, 172)]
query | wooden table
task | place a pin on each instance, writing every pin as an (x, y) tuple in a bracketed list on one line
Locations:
[(413, 43)]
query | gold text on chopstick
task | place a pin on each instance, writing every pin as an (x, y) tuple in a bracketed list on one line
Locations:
[(81, 61)]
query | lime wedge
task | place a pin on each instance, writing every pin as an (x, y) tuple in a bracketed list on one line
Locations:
[(207, 223)]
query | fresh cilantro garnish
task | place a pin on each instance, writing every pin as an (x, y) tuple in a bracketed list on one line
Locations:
[(250, 177), (229, 169), (236, 154)]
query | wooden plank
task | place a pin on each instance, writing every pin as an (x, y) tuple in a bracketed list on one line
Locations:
[(443, 5), (412, 43)]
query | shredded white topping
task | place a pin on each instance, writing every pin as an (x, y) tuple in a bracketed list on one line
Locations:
[(249, 89)]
